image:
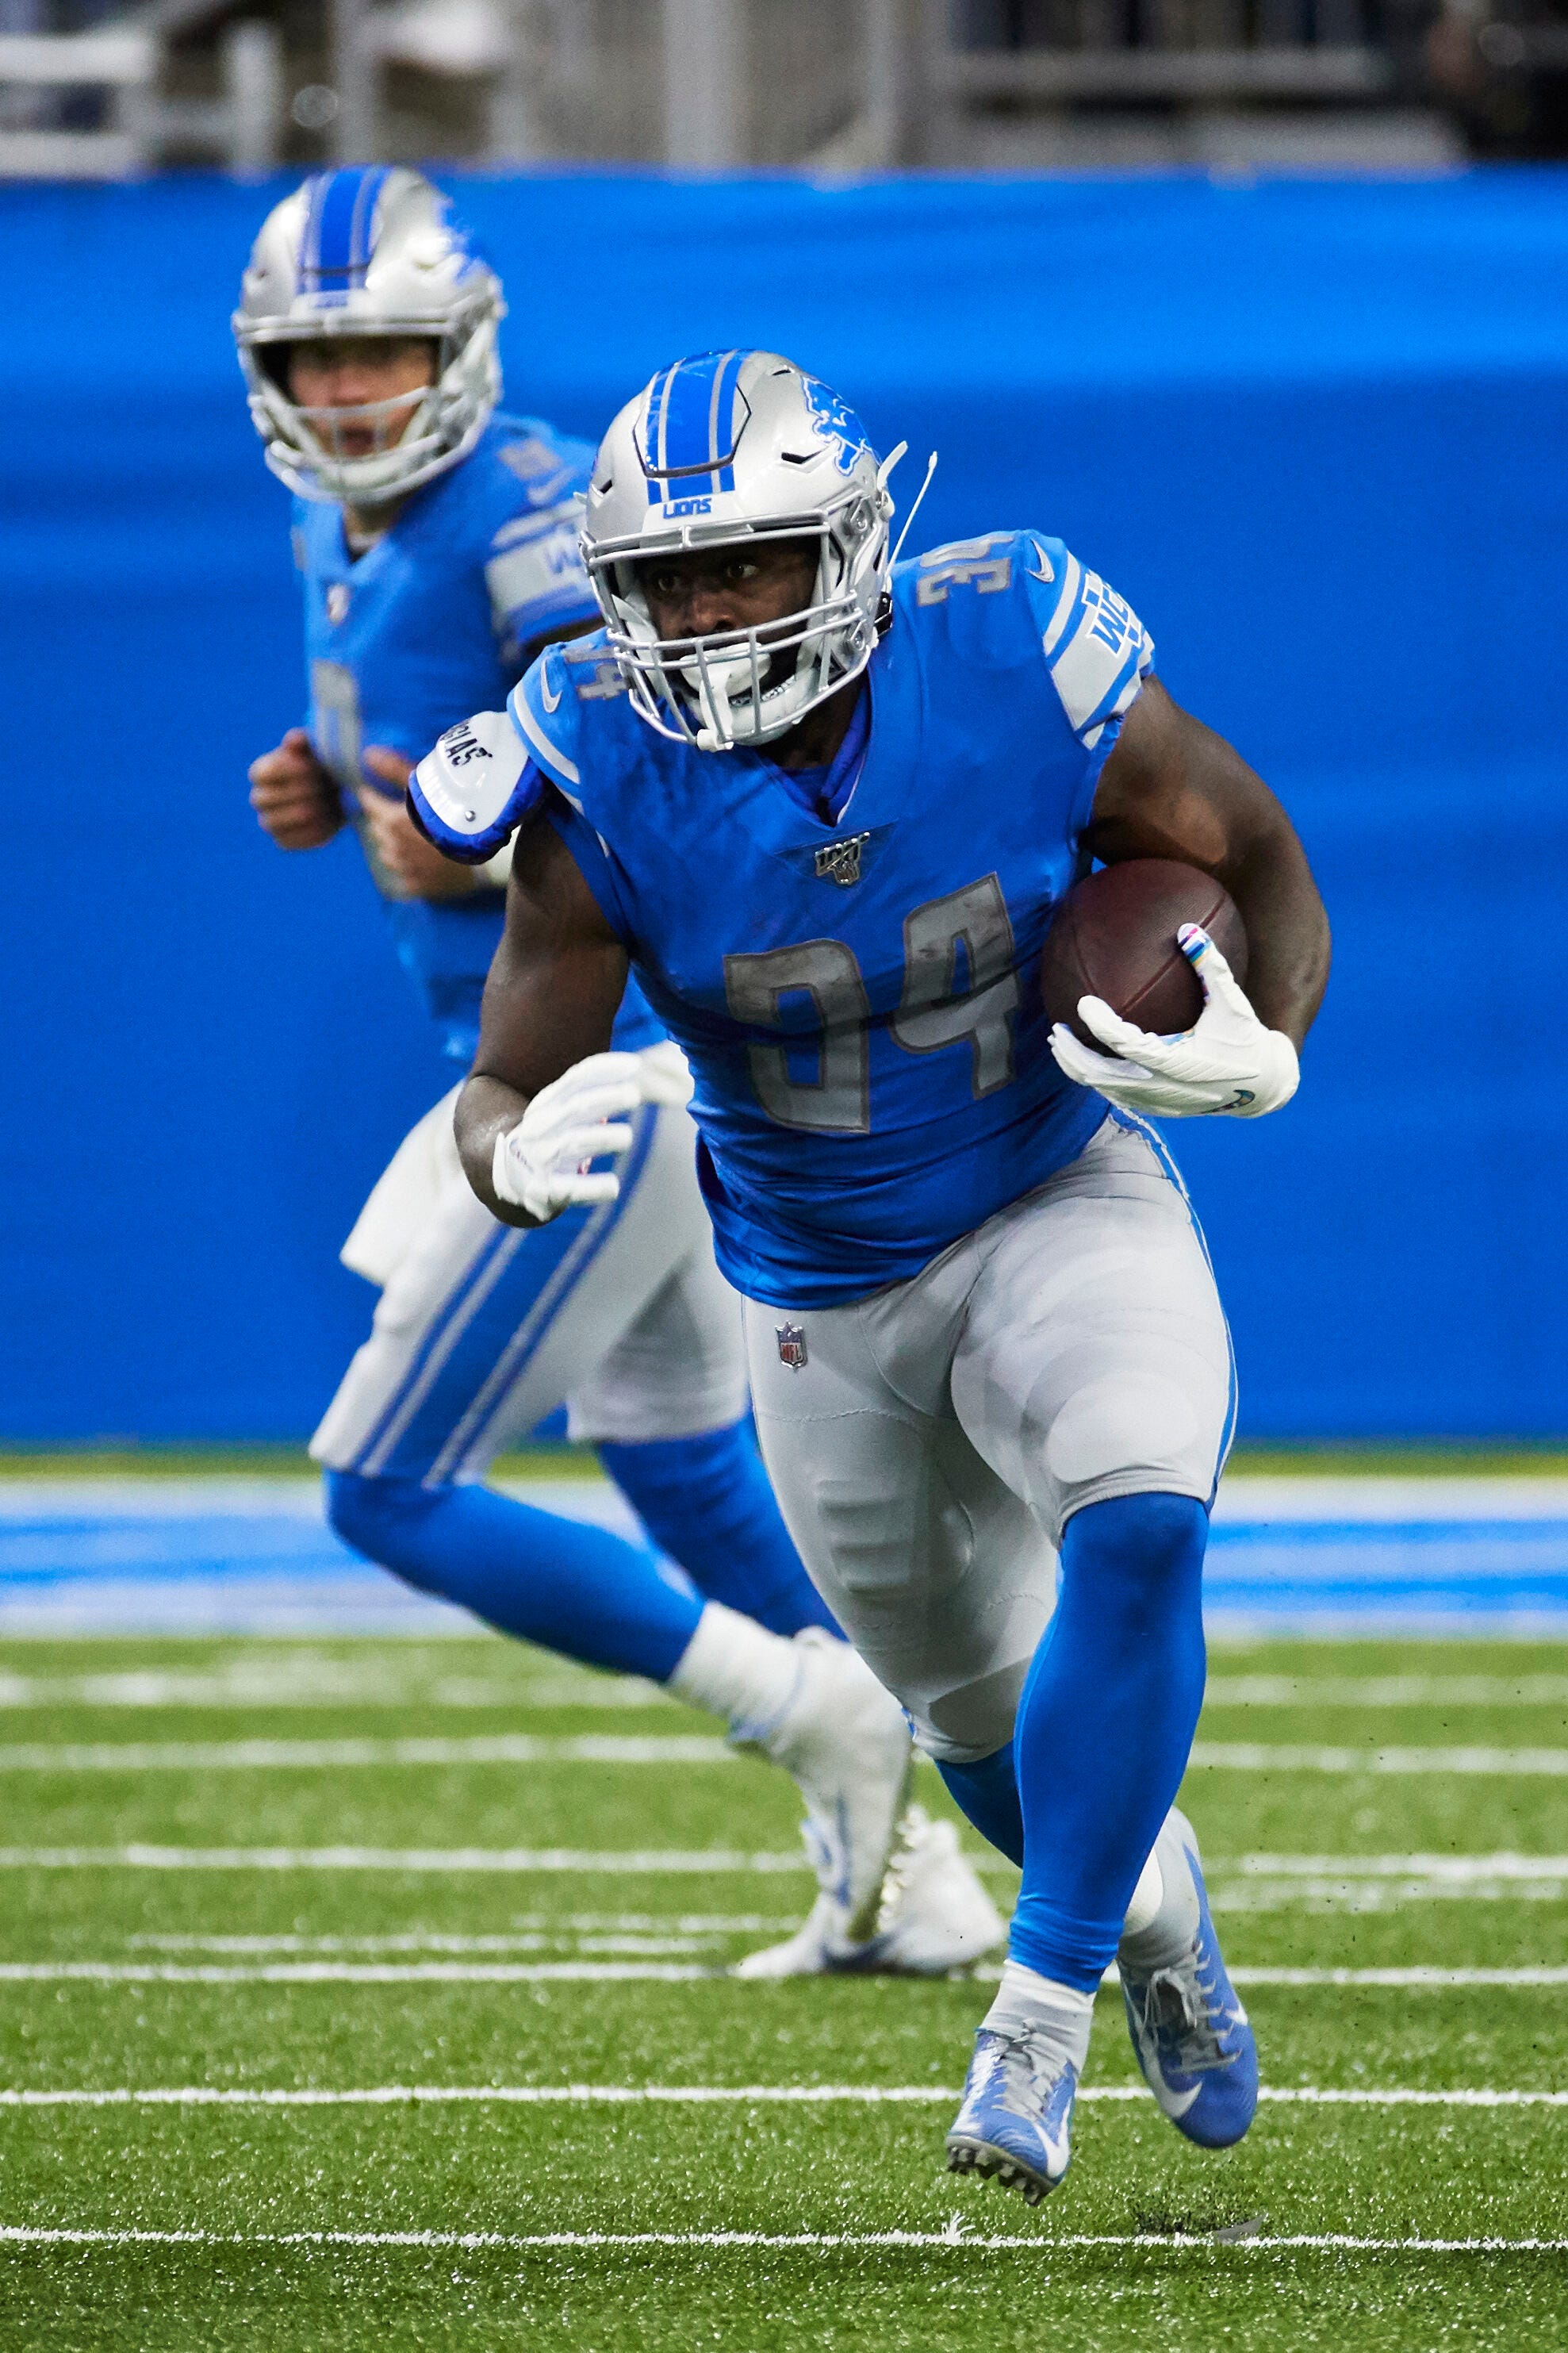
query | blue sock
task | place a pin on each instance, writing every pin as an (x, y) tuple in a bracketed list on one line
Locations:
[(1105, 1726), (707, 1503), (575, 1588), (987, 1795)]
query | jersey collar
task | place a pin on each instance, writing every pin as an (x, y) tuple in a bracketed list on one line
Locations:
[(782, 825)]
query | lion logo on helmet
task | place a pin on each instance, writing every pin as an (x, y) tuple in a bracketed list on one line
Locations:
[(836, 422)]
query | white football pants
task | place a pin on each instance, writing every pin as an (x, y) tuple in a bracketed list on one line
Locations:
[(483, 1329), (940, 1433)]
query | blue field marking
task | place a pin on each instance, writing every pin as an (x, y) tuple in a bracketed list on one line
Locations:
[(1408, 1570), (1327, 1555), (217, 1557)]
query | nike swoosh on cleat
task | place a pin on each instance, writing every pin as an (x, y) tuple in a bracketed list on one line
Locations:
[(1177, 2104)]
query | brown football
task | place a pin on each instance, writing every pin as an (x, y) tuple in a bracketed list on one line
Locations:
[(1114, 935)]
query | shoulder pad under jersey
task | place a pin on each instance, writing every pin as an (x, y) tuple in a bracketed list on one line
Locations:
[(475, 788), (1096, 650), (546, 708)]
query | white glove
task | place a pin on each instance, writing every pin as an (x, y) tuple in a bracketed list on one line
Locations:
[(541, 1165), (1226, 1063)]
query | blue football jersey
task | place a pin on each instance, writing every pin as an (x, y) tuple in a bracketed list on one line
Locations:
[(429, 625), (857, 998)]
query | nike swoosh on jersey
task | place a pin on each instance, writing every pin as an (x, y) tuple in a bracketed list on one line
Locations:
[(552, 702)]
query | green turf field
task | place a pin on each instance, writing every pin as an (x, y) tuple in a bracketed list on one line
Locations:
[(268, 1896)]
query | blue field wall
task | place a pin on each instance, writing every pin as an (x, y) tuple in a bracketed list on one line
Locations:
[(1318, 434)]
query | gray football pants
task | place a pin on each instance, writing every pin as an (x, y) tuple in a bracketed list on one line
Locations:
[(941, 1432)]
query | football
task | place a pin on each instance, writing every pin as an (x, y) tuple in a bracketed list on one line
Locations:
[(1114, 936)]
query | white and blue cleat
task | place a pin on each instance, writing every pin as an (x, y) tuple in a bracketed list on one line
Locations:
[(934, 1919), (1189, 2029), (1014, 2124)]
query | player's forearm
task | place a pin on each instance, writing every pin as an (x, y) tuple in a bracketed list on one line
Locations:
[(486, 1109), (1287, 930), (1174, 788)]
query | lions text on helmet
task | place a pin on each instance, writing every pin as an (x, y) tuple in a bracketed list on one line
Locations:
[(731, 448), (355, 258)]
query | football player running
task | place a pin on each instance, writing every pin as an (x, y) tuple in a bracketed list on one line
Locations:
[(825, 819), (438, 542)]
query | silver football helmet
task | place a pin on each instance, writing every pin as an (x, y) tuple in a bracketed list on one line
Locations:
[(368, 251), (724, 447)]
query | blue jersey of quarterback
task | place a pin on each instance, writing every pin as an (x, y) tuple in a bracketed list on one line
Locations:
[(429, 624), (858, 998)]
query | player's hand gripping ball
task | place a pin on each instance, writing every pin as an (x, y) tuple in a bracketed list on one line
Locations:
[(544, 1163), (1155, 942)]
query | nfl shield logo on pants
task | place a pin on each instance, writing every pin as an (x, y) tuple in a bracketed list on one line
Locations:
[(792, 1346)]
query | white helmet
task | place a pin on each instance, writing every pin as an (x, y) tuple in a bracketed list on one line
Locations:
[(368, 251), (724, 447)]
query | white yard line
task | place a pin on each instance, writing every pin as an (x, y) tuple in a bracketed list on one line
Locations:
[(387, 2095), (1387, 1691), (677, 1748), (1416, 1978), (1262, 1882), (312, 1682), (1362, 1897), (1250, 1757), (305, 1679), (364, 1973), (1458, 1867), (586, 1860), (642, 1934), (956, 2237), (537, 1927), (1447, 1874), (307, 1755)]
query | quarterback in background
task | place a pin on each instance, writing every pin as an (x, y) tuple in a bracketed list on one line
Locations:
[(824, 807), (438, 542)]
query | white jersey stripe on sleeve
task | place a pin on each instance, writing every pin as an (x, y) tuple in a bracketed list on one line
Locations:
[(1098, 669), (1067, 605), (530, 578)]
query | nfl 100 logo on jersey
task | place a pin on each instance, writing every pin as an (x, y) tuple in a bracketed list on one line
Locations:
[(840, 862)]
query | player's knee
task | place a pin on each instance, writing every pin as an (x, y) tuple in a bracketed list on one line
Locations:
[(377, 1517), (1139, 1542)]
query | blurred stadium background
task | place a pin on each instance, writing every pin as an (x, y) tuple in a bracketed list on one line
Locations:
[(1263, 306), (92, 87)]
